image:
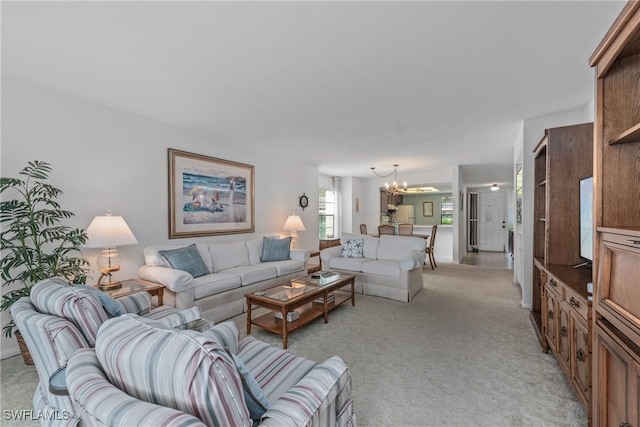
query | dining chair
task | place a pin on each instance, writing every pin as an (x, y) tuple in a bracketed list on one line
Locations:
[(405, 229), (429, 248), (363, 228), (386, 229)]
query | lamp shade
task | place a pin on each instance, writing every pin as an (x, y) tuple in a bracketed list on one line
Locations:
[(294, 223), (109, 231)]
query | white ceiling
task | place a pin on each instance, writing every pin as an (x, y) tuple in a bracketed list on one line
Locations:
[(344, 85)]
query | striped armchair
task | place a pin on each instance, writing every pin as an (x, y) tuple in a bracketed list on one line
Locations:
[(58, 319), (142, 373)]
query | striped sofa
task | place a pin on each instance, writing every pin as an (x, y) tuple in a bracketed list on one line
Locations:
[(142, 373), (58, 319)]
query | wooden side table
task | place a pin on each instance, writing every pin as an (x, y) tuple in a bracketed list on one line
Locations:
[(133, 286)]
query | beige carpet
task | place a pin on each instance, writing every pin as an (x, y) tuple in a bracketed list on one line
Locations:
[(462, 353)]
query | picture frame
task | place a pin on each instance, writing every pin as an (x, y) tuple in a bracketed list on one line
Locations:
[(427, 208), (209, 196)]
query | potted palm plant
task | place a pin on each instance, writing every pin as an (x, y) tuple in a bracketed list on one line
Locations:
[(34, 244)]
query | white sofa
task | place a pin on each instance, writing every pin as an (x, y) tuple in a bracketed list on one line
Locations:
[(235, 270), (390, 266)]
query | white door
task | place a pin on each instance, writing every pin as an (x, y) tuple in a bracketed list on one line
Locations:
[(493, 222), (405, 214)]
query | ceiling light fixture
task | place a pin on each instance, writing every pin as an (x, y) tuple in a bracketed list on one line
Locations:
[(495, 187), (394, 188)]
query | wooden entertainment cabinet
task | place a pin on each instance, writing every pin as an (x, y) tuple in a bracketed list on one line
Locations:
[(616, 322), (562, 309)]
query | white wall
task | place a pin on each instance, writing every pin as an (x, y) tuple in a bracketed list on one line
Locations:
[(105, 158), (533, 132)]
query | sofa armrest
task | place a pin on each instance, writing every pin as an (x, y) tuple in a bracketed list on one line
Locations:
[(300, 254), (317, 397), (332, 252), (413, 260), (100, 403), (139, 303), (175, 280)]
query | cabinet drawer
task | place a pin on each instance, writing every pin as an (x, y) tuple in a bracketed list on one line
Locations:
[(577, 303), (554, 285), (618, 292)]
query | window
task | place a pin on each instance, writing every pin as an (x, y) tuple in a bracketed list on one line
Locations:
[(446, 210), (327, 214)]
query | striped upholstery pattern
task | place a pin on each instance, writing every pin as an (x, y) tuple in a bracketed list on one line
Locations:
[(184, 370), (226, 334), (321, 398), (101, 404), (140, 368), (55, 297), (51, 341), (139, 303), (276, 370)]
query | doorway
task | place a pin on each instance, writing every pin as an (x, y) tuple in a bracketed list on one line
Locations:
[(492, 221)]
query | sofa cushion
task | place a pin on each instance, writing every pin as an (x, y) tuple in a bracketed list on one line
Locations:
[(382, 267), (254, 273), (186, 259), (287, 267), (184, 370), (275, 249), (228, 255), (398, 247), (353, 248), (212, 284), (254, 246), (351, 264), (370, 248), (276, 370)]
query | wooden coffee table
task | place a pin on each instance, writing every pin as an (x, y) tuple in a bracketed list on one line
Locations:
[(299, 296)]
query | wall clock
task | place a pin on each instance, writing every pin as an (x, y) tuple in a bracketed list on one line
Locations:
[(303, 201)]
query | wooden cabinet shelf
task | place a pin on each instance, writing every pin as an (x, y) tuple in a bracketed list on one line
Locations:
[(616, 322), (561, 309), (628, 137)]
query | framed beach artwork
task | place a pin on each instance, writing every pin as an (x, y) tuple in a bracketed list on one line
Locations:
[(209, 196)]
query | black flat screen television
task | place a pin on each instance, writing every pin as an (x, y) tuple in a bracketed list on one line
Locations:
[(586, 218)]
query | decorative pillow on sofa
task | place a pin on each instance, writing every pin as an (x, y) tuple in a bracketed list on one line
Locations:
[(187, 259), (275, 249), (353, 248)]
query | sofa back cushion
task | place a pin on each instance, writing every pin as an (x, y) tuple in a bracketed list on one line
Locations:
[(184, 370), (370, 248), (153, 258), (398, 247), (228, 255), (56, 297)]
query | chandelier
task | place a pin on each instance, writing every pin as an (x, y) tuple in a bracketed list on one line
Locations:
[(394, 188)]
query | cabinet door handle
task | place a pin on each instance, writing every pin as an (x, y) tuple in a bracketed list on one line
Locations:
[(563, 331), (574, 302), (625, 425), (550, 314), (581, 355), (633, 242)]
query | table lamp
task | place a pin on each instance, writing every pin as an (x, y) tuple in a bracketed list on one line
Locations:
[(293, 224), (107, 232)]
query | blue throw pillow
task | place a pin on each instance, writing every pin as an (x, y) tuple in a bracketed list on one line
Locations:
[(186, 259), (275, 249), (109, 304), (254, 397)]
